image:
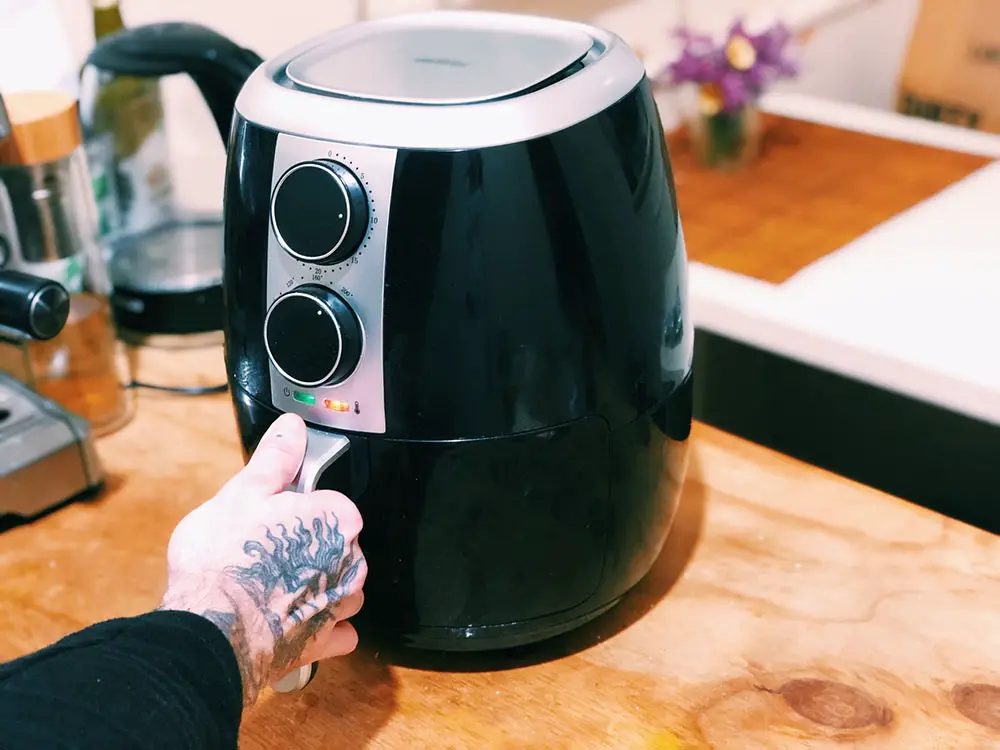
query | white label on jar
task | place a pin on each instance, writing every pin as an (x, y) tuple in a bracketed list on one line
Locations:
[(100, 160), (67, 271)]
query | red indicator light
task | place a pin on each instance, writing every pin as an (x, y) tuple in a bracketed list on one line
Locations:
[(336, 405)]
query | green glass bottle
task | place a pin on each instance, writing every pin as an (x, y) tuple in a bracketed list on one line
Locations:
[(123, 121)]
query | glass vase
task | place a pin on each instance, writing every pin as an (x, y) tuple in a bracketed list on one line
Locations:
[(726, 140)]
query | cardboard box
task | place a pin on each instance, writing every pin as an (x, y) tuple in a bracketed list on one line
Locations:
[(951, 72)]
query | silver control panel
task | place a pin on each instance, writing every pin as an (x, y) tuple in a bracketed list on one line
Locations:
[(356, 403)]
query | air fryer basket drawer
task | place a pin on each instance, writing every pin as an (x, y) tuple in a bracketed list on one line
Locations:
[(486, 532)]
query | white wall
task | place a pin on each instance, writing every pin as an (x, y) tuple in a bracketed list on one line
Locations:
[(858, 58), (855, 59), (265, 26), (854, 55)]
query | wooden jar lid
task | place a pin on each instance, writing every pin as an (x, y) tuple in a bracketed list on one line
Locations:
[(45, 126)]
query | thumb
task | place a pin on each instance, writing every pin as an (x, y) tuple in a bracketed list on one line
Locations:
[(276, 461)]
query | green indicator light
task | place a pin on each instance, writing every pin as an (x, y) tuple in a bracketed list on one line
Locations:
[(304, 398)]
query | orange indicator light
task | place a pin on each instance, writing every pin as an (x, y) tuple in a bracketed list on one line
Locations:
[(336, 405)]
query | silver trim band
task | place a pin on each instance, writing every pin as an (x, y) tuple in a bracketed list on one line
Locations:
[(347, 202), (269, 100), (336, 323)]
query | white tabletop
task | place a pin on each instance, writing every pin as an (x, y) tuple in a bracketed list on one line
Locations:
[(912, 306)]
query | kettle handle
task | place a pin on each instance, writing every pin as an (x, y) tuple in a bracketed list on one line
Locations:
[(322, 449), (217, 65)]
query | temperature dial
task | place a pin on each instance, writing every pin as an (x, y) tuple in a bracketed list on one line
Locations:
[(313, 337), (319, 212)]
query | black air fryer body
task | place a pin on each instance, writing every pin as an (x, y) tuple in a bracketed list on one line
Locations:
[(479, 278)]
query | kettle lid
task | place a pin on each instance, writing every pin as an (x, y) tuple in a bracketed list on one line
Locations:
[(440, 58)]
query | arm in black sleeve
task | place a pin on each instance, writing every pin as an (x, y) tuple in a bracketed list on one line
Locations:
[(165, 680)]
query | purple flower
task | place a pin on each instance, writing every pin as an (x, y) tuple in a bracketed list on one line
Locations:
[(770, 47), (738, 70), (735, 92)]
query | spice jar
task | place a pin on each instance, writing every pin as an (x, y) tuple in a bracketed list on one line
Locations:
[(48, 220)]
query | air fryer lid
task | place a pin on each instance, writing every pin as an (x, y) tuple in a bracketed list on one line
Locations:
[(439, 62)]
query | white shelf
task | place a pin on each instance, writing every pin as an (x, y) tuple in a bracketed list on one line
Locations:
[(912, 306)]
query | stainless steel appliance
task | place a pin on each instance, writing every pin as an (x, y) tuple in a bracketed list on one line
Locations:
[(47, 457), (452, 245)]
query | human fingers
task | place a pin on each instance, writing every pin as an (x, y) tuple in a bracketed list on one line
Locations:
[(336, 505), (276, 462), (350, 605), (336, 639)]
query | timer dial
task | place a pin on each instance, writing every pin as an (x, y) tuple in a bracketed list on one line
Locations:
[(319, 212), (313, 337)]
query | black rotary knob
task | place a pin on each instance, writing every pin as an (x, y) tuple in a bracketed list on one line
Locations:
[(319, 212), (33, 306), (312, 336)]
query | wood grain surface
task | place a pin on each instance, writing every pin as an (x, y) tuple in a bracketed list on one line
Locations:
[(789, 609), (814, 189)]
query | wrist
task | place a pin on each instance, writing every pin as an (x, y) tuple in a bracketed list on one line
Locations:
[(237, 619)]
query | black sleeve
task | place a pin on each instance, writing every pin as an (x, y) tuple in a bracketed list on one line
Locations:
[(160, 680)]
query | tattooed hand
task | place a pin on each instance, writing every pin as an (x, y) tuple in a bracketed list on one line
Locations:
[(278, 572)]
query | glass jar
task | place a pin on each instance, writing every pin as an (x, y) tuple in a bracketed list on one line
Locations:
[(725, 139), (48, 224)]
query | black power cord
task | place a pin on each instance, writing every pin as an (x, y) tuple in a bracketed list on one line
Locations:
[(204, 390)]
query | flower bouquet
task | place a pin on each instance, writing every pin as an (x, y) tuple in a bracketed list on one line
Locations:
[(729, 79)]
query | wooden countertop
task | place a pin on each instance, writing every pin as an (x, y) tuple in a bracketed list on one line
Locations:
[(814, 189), (790, 609)]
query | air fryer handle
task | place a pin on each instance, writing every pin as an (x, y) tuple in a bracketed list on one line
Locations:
[(322, 449), (216, 63)]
